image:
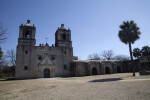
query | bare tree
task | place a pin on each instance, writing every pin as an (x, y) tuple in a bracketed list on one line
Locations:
[(1, 53), (3, 32), (121, 57), (3, 62), (12, 57), (94, 56), (107, 54), (5, 69)]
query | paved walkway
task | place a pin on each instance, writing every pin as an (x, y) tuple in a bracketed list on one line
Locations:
[(99, 87)]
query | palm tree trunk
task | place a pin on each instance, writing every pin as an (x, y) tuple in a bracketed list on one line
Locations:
[(130, 50)]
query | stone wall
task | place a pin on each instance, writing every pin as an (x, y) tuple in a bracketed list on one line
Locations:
[(60, 56), (144, 68), (98, 67)]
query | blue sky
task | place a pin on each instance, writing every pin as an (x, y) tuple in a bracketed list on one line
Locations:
[(94, 23)]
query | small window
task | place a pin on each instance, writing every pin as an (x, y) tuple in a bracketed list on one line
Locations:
[(53, 58), (65, 67), (25, 67), (64, 37), (65, 52), (46, 52), (26, 52), (39, 58)]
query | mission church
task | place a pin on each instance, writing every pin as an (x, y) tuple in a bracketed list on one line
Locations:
[(46, 61)]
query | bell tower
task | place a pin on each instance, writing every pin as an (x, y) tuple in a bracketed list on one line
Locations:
[(63, 37), (27, 34), (25, 50)]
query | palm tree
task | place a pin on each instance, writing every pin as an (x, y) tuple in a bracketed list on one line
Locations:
[(146, 52), (137, 53), (129, 33)]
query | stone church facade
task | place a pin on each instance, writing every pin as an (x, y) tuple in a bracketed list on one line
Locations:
[(46, 61), (43, 60)]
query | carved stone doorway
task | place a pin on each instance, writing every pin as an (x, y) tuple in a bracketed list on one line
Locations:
[(46, 73)]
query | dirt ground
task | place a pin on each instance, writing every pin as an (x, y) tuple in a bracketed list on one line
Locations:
[(99, 87)]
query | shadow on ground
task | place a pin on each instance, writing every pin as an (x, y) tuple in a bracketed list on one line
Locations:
[(106, 80), (7, 79), (13, 79)]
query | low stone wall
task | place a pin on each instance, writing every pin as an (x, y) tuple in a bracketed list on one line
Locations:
[(98, 67), (145, 68), (95, 67)]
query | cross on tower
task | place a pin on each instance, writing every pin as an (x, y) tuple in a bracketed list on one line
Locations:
[(46, 39)]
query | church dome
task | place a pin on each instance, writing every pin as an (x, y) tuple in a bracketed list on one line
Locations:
[(28, 23), (62, 26)]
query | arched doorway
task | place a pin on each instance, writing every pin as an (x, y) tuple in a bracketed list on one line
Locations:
[(46, 73), (94, 71), (107, 71), (118, 69)]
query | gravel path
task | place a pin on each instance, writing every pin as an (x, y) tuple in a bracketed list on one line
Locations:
[(99, 87)]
